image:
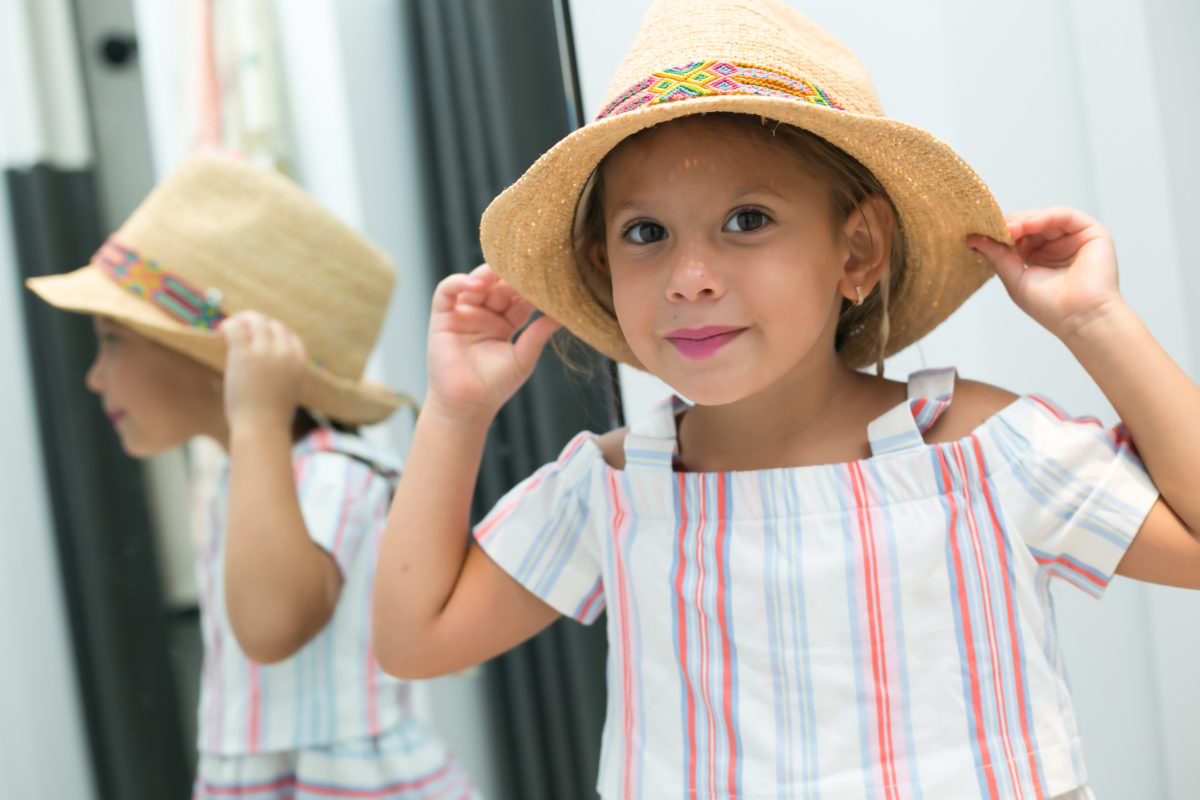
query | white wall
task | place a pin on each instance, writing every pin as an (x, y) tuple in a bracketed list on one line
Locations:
[(1054, 102)]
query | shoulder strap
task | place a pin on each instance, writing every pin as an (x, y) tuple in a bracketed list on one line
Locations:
[(650, 443), (901, 428)]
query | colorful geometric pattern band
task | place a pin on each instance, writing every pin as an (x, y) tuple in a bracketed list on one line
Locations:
[(703, 78), (155, 285)]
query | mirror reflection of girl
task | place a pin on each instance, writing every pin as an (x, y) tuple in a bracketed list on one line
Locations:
[(292, 700), (818, 583)]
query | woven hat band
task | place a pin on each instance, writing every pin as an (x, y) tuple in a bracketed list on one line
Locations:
[(166, 291), (707, 78)]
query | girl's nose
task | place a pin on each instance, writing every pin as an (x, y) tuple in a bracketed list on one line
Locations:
[(92, 380), (693, 276)]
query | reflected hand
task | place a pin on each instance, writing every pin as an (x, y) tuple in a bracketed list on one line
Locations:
[(1061, 269), (474, 364), (265, 365)]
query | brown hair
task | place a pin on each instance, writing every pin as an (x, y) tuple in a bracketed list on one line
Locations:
[(849, 184)]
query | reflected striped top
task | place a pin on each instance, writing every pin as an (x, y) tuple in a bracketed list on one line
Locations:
[(874, 629), (332, 689)]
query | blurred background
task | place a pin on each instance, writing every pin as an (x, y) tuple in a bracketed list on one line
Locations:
[(405, 117)]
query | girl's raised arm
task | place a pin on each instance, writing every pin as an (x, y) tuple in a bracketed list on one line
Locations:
[(1062, 271), (280, 587), (440, 604)]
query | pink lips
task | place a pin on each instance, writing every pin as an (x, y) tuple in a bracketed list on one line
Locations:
[(115, 417), (697, 343)]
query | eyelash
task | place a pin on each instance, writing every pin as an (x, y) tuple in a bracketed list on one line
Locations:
[(737, 212), (766, 220)]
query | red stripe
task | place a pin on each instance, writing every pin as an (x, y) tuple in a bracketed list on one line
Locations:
[(1078, 570), (683, 644), (252, 735), (587, 606), (1018, 675), (968, 635), (391, 788), (989, 626), (726, 654), (875, 624)]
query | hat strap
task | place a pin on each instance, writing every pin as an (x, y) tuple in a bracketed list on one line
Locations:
[(702, 78), (151, 282)]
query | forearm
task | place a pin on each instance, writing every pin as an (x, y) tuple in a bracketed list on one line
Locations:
[(426, 540), (280, 587), (1155, 399)]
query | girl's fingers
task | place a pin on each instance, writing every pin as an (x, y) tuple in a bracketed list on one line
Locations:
[(1007, 262), (1053, 223), (446, 295)]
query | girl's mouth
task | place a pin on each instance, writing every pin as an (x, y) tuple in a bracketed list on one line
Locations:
[(698, 343), (115, 417)]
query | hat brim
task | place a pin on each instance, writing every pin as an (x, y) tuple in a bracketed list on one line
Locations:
[(526, 231), (88, 290)]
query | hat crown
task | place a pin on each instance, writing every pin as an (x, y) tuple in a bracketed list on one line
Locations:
[(256, 241), (761, 33)]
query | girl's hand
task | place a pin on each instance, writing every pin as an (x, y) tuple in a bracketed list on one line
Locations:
[(474, 364), (1061, 269), (264, 369)]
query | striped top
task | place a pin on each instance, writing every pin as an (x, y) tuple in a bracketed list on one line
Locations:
[(881, 628), (332, 689)]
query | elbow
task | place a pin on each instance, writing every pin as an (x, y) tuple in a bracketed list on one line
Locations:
[(263, 645), (268, 635), (403, 657)]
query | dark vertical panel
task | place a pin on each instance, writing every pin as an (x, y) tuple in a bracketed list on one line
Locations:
[(102, 528), (493, 100)]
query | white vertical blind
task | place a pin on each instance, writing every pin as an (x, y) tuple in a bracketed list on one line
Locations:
[(43, 751)]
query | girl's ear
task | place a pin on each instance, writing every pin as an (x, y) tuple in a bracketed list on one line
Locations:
[(868, 231), (597, 255)]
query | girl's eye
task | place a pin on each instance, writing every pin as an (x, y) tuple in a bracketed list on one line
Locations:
[(745, 221), (646, 232)]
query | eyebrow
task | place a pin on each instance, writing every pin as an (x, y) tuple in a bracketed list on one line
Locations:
[(737, 197)]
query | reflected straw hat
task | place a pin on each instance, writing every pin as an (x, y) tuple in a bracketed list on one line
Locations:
[(761, 58), (219, 236)]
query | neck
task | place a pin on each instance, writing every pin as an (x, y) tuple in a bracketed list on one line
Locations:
[(809, 417)]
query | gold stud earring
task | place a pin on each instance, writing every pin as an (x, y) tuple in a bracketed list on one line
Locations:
[(859, 301)]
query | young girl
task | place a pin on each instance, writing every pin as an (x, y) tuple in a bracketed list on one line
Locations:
[(819, 583), (292, 702)]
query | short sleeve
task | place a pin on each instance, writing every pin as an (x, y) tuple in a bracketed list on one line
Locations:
[(340, 497), (1075, 492), (544, 532)]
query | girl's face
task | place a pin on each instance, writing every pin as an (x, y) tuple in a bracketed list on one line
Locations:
[(156, 398), (727, 266)]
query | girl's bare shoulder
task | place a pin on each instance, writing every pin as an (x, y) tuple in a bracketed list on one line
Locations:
[(612, 447)]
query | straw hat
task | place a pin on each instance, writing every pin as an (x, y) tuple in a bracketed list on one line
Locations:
[(755, 57), (220, 236)]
